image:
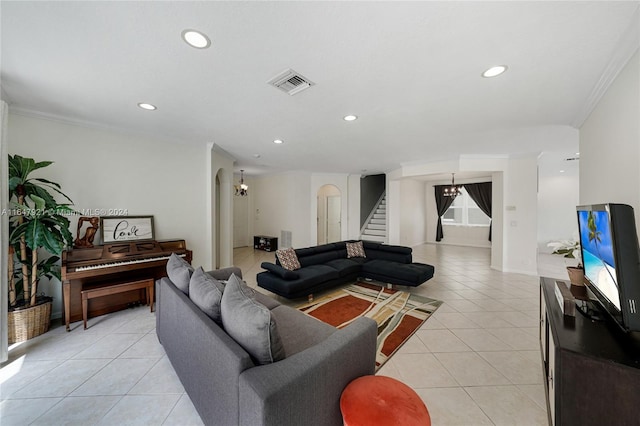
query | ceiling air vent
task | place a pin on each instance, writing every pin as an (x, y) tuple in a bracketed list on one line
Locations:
[(291, 82)]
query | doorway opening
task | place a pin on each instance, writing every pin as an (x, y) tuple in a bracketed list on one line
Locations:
[(329, 214)]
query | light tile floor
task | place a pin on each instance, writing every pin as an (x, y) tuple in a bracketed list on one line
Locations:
[(475, 362)]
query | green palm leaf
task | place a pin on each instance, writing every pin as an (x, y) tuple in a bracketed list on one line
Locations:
[(40, 224), (37, 234)]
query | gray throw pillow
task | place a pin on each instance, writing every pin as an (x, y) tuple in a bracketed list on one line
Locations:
[(250, 323), (206, 293), (179, 272)]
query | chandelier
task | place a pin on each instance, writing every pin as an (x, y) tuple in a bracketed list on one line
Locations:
[(453, 190), (242, 189)]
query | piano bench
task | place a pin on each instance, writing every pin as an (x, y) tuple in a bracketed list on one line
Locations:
[(101, 290)]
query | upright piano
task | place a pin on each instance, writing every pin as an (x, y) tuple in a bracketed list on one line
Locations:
[(113, 263)]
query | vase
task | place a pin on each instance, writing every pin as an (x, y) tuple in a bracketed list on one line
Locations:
[(27, 323), (576, 275)]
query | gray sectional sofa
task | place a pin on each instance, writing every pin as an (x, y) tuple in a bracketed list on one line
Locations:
[(226, 384), (329, 265)]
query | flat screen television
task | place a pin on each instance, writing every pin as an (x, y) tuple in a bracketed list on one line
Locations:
[(611, 259)]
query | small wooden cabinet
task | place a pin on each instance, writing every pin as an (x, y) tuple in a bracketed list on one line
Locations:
[(266, 243), (592, 368)]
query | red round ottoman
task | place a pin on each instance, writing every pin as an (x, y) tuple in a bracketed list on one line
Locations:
[(381, 401)]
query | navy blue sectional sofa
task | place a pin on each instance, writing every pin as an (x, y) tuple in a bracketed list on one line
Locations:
[(327, 266)]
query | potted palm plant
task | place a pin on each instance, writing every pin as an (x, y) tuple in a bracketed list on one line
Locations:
[(570, 249), (38, 233)]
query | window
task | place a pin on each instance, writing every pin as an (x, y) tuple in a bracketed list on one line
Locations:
[(464, 211)]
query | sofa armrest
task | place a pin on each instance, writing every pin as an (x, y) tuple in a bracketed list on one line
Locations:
[(278, 270), (308, 385), (225, 273), (207, 361)]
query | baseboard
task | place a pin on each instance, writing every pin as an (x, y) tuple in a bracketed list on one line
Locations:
[(440, 243), (521, 271)]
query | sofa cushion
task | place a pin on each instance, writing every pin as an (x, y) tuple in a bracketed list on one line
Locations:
[(308, 251), (269, 302), (345, 266), (318, 258), (224, 273), (206, 293), (355, 250), (370, 245), (310, 277), (415, 273), (288, 259), (395, 249), (384, 253), (299, 332), (316, 274), (179, 272), (285, 274), (250, 323)]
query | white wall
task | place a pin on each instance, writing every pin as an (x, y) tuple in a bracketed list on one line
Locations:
[(288, 201), (497, 221), (219, 213), (472, 236), (353, 207), (243, 208), (394, 209), (558, 196), (4, 230), (283, 203), (520, 216), (412, 212), (103, 169), (610, 144)]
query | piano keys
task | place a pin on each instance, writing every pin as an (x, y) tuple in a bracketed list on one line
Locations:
[(113, 263)]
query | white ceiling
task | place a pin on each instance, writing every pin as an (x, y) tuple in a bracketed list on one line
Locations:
[(409, 70)]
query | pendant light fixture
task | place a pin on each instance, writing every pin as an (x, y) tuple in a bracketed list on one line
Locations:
[(453, 190), (242, 190)]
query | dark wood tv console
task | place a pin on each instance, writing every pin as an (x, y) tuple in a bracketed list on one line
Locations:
[(592, 367)]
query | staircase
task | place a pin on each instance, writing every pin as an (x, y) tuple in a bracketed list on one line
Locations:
[(375, 228)]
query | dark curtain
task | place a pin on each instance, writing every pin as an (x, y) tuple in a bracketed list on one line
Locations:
[(442, 205), (481, 194)]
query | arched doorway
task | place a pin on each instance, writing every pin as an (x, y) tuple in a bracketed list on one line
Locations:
[(329, 214)]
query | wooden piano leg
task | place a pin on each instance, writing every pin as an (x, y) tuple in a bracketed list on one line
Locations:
[(66, 297), (150, 294), (85, 304)]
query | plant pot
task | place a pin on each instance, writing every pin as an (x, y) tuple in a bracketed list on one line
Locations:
[(576, 275), (26, 323)]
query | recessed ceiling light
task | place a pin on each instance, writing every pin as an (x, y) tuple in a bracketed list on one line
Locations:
[(561, 171), (350, 117), (494, 71), (146, 106), (196, 39), (278, 141)]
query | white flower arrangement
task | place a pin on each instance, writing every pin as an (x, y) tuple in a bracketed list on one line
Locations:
[(569, 249)]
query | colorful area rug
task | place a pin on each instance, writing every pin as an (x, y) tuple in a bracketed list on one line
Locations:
[(399, 314)]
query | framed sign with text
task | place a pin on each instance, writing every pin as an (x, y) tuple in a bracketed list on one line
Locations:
[(117, 229)]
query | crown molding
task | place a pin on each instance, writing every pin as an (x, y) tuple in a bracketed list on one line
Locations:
[(626, 47), (27, 112), (214, 147)]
